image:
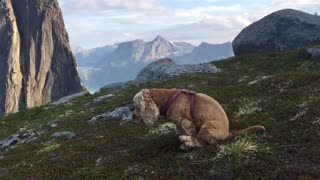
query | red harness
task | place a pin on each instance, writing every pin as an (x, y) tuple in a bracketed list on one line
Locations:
[(175, 96)]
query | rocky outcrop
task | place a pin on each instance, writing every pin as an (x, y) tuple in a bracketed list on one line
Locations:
[(36, 63), (164, 69), (15, 139), (280, 31), (123, 113), (310, 53)]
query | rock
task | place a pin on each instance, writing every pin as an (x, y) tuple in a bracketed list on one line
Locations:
[(164, 69), (310, 53), (67, 134), (53, 125), (101, 98), (37, 65), (17, 139), (283, 30), (123, 113), (69, 98)]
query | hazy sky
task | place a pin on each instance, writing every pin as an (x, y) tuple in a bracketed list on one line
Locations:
[(93, 23)]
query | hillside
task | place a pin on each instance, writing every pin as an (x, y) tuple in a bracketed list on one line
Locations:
[(279, 91)]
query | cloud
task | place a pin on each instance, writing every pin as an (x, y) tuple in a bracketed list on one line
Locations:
[(205, 11), (93, 23), (102, 5), (218, 29)]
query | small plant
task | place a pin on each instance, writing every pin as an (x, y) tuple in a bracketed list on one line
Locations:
[(239, 151)]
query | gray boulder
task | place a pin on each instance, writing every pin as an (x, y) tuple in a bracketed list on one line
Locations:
[(123, 113), (66, 134), (164, 69), (283, 30), (17, 139), (314, 53)]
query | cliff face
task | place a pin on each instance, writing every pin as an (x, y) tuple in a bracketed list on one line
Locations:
[(36, 63)]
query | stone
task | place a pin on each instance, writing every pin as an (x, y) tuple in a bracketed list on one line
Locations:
[(67, 134), (17, 139), (123, 113), (69, 98), (310, 53), (102, 98)]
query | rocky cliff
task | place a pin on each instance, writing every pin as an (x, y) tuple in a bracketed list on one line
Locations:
[(36, 63), (283, 30)]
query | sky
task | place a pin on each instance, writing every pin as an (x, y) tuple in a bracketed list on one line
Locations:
[(94, 23)]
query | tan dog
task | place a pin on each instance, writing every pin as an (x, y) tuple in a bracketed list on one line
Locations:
[(210, 123)]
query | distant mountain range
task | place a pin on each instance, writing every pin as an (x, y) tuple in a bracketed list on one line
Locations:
[(123, 61)]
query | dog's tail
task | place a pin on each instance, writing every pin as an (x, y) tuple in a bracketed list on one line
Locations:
[(247, 130)]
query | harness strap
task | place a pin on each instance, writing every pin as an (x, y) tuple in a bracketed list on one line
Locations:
[(175, 96)]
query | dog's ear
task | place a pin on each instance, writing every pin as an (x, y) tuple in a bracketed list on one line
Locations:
[(150, 111)]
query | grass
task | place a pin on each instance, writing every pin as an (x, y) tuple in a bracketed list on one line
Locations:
[(279, 91)]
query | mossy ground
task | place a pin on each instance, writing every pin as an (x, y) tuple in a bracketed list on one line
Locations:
[(279, 91)]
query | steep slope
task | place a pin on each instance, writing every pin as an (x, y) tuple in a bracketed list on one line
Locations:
[(279, 91), (10, 73), (206, 52), (283, 30), (37, 64)]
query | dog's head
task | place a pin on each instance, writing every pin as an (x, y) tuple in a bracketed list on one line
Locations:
[(146, 111)]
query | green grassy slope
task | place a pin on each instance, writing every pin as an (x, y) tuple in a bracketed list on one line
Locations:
[(279, 91)]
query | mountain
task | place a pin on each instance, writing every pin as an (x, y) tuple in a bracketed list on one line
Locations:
[(146, 52), (90, 57), (125, 61), (37, 65), (206, 52), (93, 136), (128, 58), (283, 30)]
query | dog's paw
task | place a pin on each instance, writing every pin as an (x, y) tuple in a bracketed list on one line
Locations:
[(185, 147), (184, 139), (187, 142)]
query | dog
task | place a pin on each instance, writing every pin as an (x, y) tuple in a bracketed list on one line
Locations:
[(200, 119)]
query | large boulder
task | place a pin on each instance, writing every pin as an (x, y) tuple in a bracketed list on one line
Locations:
[(36, 62), (283, 30)]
